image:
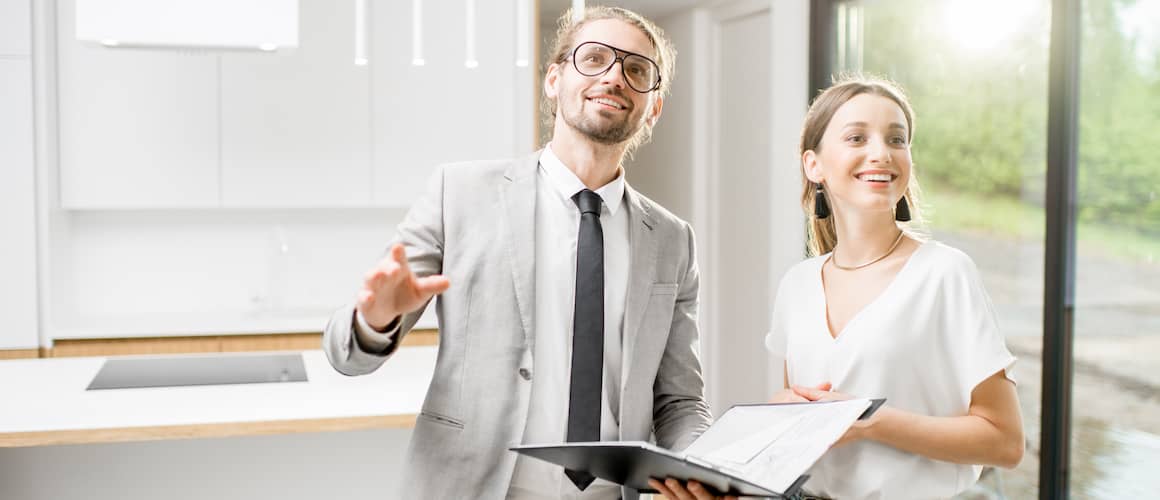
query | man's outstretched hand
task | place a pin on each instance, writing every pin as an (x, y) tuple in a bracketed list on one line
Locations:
[(390, 289)]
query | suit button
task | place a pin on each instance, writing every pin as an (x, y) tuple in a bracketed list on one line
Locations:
[(526, 373)]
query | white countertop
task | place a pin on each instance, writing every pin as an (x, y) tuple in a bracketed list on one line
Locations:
[(44, 401)]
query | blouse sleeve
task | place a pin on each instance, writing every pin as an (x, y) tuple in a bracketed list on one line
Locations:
[(974, 340), (776, 339)]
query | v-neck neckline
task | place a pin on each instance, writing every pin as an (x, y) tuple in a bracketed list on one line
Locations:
[(825, 309)]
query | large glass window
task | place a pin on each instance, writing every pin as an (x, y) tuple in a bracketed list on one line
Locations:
[(976, 72), (1115, 450)]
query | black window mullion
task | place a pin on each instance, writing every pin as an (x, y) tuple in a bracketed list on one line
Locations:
[(1059, 249), (822, 34)]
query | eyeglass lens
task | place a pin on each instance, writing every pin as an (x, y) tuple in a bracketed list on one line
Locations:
[(640, 72)]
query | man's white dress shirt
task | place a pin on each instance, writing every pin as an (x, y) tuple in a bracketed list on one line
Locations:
[(557, 228)]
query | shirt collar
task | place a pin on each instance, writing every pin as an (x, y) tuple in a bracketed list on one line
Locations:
[(565, 182)]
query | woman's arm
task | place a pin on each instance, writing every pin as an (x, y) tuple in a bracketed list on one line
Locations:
[(990, 434)]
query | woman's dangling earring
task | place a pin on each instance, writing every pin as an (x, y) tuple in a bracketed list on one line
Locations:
[(902, 211), (821, 208)]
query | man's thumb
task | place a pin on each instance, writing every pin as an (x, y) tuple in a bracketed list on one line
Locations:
[(433, 284)]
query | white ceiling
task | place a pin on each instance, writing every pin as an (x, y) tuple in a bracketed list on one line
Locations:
[(652, 9)]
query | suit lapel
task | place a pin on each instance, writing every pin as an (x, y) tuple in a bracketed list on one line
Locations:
[(518, 193), (643, 251)]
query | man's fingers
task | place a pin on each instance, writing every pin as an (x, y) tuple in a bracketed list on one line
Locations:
[(399, 255), (366, 299), (660, 487), (431, 285), (678, 489), (700, 491), (375, 277), (825, 386)]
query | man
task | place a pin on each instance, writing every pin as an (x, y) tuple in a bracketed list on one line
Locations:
[(567, 301)]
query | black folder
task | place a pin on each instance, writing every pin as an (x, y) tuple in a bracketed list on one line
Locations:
[(633, 463)]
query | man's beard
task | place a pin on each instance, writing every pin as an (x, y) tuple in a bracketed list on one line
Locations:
[(609, 131)]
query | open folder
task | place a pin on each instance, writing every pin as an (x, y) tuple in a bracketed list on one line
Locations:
[(759, 450)]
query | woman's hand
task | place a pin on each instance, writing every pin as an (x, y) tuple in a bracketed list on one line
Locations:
[(858, 431), (673, 489), (819, 393), (791, 396)]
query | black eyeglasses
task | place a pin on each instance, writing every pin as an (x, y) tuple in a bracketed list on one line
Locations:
[(594, 58)]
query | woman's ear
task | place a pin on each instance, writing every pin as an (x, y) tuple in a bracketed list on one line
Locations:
[(811, 167)]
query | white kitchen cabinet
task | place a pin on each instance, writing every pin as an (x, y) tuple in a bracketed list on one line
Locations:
[(442, 111), (147, 129), (214, 24), (15, 27), (296, 125), (18, 291), (138, 128)]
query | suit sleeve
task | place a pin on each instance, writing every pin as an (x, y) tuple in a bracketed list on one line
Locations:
[(680, 412), (421, 233)]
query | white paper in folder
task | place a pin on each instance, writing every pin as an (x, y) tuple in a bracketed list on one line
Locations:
[(772, 445)]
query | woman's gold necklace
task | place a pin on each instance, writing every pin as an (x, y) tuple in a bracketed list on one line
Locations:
[(860, 266)]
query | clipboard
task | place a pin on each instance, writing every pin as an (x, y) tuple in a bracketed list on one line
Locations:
[(633, 463)]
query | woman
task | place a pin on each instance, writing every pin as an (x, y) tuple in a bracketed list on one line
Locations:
[(879, 312)]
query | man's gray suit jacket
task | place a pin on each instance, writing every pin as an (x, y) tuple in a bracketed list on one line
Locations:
[(476, 225)]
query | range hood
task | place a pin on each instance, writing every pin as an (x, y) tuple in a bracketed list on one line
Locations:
[(266, 25)]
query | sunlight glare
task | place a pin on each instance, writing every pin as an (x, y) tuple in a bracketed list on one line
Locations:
[(981, 25)]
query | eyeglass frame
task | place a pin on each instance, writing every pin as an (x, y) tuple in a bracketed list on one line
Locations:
[(616, 57)]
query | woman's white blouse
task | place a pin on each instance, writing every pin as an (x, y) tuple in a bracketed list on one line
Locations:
[(923, 344)]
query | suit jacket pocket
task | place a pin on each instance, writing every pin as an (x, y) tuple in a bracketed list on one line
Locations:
[(664, 289), (442, 420)]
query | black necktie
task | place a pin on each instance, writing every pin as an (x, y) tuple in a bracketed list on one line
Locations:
[(587, 331)]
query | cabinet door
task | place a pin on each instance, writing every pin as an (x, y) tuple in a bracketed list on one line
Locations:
[(296, 125), (138, 128), (15, 27), (18, 296), (442, 111)]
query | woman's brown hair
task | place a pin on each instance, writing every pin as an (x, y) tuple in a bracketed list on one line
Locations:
[(822, 237)]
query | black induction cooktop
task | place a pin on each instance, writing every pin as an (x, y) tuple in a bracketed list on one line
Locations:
[(218, 369)]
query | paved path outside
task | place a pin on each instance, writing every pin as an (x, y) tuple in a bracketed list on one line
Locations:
[(1116, 396)]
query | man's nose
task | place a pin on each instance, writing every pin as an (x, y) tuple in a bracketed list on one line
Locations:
[(614, 75)]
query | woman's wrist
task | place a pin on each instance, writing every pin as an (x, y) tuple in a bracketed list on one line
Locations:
[(872, 428)]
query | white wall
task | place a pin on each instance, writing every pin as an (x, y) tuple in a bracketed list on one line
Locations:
[(741, 164), (143, 273), (664, 168), (355, 465), (18, 291), (790, 35), (745, 212)]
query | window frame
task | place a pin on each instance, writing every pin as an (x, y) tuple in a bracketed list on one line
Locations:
[(1060, 213)]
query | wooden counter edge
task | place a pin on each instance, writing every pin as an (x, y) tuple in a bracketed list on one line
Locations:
[(195, 431), (66, 348)]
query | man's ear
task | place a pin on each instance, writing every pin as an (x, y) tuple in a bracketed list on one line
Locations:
[(811, 167), (656, 111), (551, 80)]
